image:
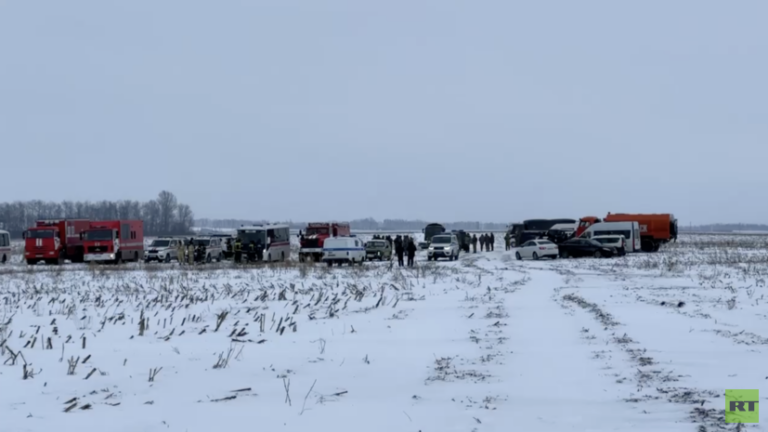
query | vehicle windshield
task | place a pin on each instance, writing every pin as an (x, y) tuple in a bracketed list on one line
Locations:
[(316, 231), (160, 243), (204, 242), (246, 236), (595, 243), (376, 243), (36, 234), (99, 234), (441, 239)]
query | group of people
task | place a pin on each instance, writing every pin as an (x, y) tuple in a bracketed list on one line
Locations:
[(187, 251), (486, 242), (404, 245), (254, 252)]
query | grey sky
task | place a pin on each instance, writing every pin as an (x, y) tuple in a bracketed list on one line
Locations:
[(433, 109)]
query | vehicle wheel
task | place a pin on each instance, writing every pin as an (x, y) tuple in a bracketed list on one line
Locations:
[(563, 254), (282, 256), (598, 254), (5, 259), (167, 258), (517, 255), (535, 256), (208, 259)]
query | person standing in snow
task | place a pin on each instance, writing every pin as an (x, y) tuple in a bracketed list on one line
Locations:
[(411, 252), (399, 250), (180, 252), (191, 251), (492, 240), (507, 240), (474, 243)]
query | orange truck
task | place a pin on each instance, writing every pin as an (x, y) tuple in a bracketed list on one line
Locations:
[(655, 229)]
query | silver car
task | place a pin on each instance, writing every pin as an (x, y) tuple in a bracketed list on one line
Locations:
[(163, 249), (213, 250)]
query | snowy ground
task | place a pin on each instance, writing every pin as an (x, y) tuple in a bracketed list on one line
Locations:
[(647, 342)]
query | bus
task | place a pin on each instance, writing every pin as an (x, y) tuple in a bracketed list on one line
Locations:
[(276, 240)]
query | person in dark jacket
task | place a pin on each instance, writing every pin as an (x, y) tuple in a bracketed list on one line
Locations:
[(482, 242), (411, 252), (399, 250), (474, 243), (251, 254), (389, 240), (491, 240)]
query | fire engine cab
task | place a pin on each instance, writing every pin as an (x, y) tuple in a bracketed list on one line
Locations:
[(114, 241), (312, 240)]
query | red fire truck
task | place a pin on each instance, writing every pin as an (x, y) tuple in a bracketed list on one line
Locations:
[(55, 240), (114, 241), (311, 243)]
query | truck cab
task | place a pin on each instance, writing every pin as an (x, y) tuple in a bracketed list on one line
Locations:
[(54, 240), (585, 223), (314, 236), (114, 241)]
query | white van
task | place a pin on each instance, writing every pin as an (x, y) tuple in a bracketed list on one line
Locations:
[(5, 247), (341, 250), (630, 231)]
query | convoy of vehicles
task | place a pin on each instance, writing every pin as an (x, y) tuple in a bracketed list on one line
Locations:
[(378, 249), (314, 236), (536, 249), (114, 241), (5, 247), (80, 240), (274, 240), (430, 231), (343, 250), (163, 249), (443, 246)]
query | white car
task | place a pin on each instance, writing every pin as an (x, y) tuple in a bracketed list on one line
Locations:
[(443, 246), (164, 249), (340, 250), (535, 249)]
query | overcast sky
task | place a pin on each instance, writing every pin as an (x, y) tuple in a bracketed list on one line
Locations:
[(434, 109)]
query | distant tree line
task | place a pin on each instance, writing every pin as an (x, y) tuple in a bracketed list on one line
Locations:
[(359, 224), (723, 227), (163, 215)]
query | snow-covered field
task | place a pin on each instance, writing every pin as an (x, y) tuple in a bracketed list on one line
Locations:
[(647, 342)]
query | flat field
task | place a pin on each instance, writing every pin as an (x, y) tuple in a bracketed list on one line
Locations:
[(647, 342)]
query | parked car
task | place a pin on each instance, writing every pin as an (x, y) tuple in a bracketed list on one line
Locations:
[(581, 247), (535, 249), (616, 241), (213, 250), (443, 246), (378, 249), (162, 249), (341, 250)]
